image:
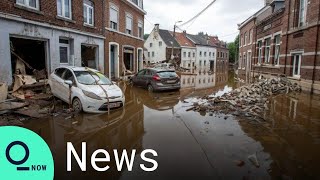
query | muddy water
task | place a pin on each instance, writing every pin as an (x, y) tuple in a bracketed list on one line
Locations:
[(192, 145)]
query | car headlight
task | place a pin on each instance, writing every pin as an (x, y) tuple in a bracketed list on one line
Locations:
[(91, 95)]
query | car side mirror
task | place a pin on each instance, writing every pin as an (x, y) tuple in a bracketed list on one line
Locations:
[(68, 82)]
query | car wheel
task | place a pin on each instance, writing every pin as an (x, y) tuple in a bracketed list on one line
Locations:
[(76, 105), (150, 88)]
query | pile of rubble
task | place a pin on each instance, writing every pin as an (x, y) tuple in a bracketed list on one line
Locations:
[(248, 101)]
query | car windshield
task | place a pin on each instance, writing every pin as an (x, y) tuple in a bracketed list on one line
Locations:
[(92, 78), (167, 74)]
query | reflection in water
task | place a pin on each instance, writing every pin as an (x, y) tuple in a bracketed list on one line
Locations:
[(194, 145)]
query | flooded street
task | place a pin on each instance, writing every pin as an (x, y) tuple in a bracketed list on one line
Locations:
[(193, 145)]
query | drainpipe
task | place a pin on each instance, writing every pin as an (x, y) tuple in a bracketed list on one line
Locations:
[(287, 38), (316, 54)]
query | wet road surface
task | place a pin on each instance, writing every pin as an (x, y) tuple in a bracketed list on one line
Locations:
[(192, 145)]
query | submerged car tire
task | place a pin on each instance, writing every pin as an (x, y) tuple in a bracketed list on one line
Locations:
[(76, 105), (150, 88)]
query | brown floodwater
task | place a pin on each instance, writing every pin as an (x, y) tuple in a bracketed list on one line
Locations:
[(191, 145)]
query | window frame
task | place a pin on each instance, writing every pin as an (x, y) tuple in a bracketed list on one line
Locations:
[(129, 31), (302, 17), (87, 6), (267, 50), (294, 56), (140, 32), (111, 23), (260, 52), (277, 48), (27, 4), (63, 15)]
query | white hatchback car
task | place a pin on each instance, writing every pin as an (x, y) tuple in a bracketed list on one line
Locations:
[(89, 89)]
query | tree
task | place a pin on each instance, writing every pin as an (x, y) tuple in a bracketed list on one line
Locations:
[(233, 50)]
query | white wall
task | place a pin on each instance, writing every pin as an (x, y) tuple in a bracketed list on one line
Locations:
[(186, 60), (159, 51), (202, 58), (49, 34)]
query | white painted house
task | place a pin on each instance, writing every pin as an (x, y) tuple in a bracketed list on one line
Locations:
[(157, 45)]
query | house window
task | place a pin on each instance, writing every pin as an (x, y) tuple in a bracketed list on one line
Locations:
[(302, 12), (200, 53), (296, 65), (205, 54), (260, 52), (148, 54), (152, 54), (200, 63), (251, 36), (160, 43), (140, 30), (205, 63), (277, 50), (129, 21), (240, 43), (64, 8), (209, 54), (240, 61), (218, 54), (114, 18), (267, 49), (184, 54), (33, 4), (189, 54), (64, 51), (88, 13), (244, 61), (150, 44), (245, 38), (194, 55)]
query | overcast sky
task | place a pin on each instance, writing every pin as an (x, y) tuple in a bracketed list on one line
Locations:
[(220, 19)]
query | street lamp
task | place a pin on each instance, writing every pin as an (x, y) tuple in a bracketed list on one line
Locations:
[(174, 36)]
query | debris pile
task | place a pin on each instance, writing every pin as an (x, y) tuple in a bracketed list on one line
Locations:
[(248, 101)]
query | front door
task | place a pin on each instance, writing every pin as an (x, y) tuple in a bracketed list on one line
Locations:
[(296, 65), (112, 62)]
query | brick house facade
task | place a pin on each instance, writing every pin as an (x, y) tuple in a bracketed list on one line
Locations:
[(59, 30), (287, 43), (124, 32), (222, 65)]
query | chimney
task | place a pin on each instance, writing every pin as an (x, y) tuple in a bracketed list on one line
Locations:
[(185, 33), (156, 27)]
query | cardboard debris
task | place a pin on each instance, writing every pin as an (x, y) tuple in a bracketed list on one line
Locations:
[(21, 80), (3, 92), (20, 67)]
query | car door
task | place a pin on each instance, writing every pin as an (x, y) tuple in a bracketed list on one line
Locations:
[(146, 78), (65, 90), (139, 77), (56, 80)]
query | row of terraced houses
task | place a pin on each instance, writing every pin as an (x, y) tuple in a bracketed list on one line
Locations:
[(103, 34), (282, 38)]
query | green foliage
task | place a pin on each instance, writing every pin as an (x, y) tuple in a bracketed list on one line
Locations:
[(145, 37), (233, 50)]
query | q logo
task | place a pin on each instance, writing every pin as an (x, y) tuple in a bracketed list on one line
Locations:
[(24, 154)]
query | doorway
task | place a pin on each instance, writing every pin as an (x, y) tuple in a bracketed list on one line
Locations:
[(89, 56), (32, 52), (128, 56), (113, 61)]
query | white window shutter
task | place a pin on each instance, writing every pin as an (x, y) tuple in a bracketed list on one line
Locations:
[(113, 15), (129, 23)]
